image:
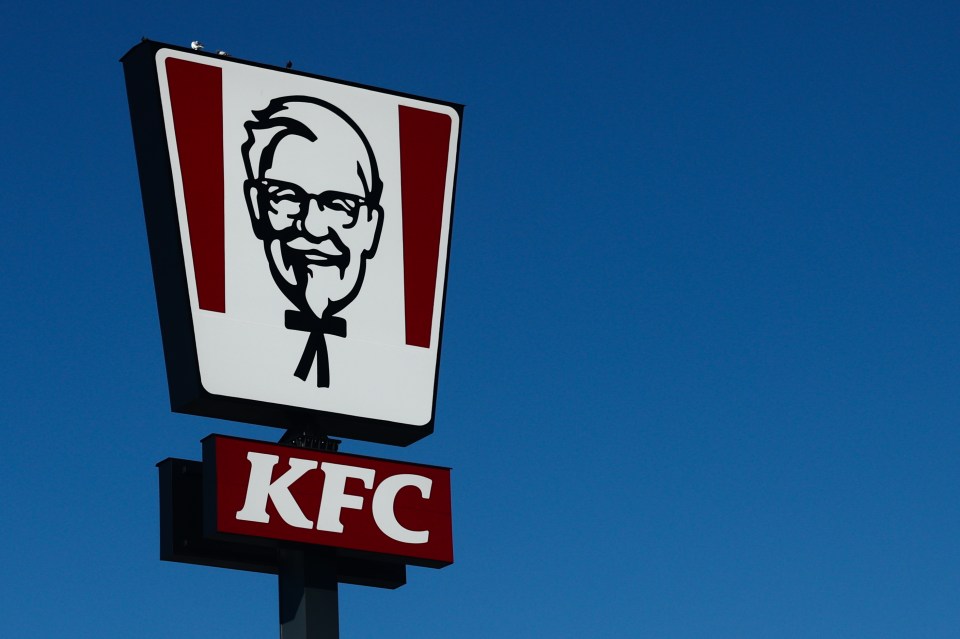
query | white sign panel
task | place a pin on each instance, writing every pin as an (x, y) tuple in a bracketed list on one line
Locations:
[(314, 220)]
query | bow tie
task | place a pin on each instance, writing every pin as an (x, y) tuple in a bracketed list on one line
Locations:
[(316, 347)]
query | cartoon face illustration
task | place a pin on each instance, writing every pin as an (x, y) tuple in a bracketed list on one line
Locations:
[(313, 195)]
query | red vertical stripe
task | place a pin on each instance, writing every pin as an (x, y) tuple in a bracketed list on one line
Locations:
[(196, 97), (424, 149)]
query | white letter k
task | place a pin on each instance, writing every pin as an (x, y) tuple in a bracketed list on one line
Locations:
[(260, 489)]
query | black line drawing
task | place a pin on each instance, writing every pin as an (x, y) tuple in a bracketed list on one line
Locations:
[(313, 193)]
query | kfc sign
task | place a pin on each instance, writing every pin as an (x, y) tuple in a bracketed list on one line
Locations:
[(299, 229), (375, 506)]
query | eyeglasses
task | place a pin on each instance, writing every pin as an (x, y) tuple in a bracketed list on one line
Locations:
[(290, 200)]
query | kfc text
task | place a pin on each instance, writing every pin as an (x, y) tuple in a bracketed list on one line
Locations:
[(330, 499)]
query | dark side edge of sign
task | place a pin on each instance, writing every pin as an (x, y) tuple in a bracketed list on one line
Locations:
[(187, 394)]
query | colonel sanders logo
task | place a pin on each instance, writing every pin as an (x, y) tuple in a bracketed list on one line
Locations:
[(282, 187), (313, 194)]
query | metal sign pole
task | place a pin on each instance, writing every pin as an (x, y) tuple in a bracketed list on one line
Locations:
[(308, 595)]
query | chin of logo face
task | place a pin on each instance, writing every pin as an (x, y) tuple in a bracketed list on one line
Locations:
[(326, 285)]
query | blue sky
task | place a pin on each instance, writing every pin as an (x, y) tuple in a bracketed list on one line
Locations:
[(701, 350)]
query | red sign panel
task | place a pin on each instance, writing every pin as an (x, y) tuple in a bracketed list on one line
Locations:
[(364, 504)]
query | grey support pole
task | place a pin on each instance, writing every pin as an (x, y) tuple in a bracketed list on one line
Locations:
[(308, 595)]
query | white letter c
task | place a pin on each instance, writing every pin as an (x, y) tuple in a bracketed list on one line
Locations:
[(383, 502)]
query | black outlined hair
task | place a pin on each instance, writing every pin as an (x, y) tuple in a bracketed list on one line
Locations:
[(258, 149)]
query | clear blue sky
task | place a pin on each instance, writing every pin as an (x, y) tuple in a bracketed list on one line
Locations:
[(702, 345)]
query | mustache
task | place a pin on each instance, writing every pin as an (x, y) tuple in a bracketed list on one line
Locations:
[(299, 250)]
